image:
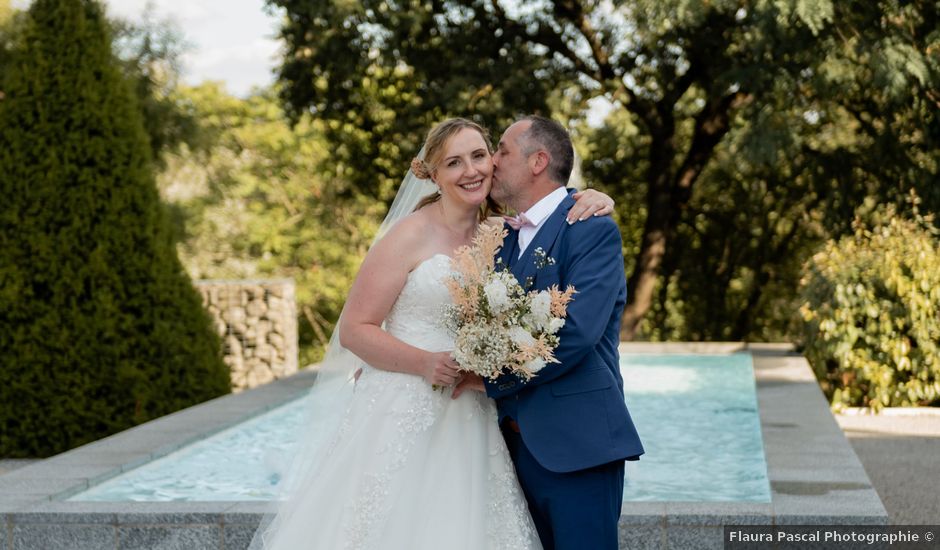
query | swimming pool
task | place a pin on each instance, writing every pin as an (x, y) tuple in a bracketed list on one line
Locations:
[(696, 414)]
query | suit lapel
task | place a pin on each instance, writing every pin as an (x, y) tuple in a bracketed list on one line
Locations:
[(510, 248), (525, 267)]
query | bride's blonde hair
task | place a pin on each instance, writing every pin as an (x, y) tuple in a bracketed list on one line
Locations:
[(434, 144)]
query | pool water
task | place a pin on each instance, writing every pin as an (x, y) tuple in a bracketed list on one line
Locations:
[(696, 415)]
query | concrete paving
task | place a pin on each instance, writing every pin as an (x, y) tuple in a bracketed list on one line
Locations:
[(900, 451), (10, 464)]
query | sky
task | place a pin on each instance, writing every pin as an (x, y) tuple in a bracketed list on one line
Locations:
[(231, 40)]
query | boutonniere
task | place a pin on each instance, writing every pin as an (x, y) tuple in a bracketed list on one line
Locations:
[(542, 259)]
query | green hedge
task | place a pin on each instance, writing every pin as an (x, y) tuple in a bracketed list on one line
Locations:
[(872, 312), (100, 328)]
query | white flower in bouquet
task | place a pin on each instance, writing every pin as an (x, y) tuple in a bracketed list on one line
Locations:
[(497, 295), (540, 313), (555, 324), (534, 365), (521, 337), (541, 305), (479, 349)]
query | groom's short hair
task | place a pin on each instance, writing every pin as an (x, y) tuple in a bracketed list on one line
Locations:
[(545, 133)]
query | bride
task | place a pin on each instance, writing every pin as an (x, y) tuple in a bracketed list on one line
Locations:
[(408, 467)]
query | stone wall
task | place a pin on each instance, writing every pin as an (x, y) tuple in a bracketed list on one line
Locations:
[(257, 321)]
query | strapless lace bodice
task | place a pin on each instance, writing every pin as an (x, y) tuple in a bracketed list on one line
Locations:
[(416, 316)]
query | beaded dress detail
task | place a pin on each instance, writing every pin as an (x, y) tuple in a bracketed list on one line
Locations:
[(409, 467)]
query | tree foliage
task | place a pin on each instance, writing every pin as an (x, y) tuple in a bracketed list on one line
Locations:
[(100, 327), (872, 306), (9, 20), (252, 203), (819, 146), (799, 108), (379, 74), (150, 52)]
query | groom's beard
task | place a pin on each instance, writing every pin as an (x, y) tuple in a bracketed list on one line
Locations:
[(501, 194)]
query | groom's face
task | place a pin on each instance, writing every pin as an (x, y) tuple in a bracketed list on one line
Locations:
[(510, 166)]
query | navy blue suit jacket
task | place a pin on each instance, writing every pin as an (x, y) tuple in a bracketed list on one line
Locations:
[(572, 414)]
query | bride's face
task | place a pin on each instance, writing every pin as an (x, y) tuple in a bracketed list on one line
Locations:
[(466, 168)]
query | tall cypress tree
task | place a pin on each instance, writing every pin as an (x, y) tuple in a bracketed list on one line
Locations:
[(100, 327)]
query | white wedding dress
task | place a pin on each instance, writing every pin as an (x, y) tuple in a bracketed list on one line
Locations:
[(411, 468)]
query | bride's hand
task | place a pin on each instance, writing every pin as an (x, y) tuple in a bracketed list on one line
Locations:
[(590, 202), (440, 369), (469, 381)]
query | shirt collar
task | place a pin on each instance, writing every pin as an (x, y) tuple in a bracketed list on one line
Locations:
[(543, 209)]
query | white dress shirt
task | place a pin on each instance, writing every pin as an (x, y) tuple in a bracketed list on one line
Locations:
[(538, 213)]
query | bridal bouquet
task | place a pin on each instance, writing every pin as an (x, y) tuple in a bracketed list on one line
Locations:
[(498, 325)]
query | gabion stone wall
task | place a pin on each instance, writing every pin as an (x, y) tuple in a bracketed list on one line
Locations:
[(257, 320)]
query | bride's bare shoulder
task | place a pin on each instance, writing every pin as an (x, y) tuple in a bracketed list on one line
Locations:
[(410, 227), (406, 236)]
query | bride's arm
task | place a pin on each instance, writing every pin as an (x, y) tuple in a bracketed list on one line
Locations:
[(590, 202), (373, 293)]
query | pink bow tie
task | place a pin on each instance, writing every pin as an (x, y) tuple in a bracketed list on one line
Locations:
[(519, 221)]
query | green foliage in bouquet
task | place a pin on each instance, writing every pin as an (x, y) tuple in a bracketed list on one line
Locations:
[(100, 328), (872, 312)]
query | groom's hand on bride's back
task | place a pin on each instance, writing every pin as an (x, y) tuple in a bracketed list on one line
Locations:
[(440, 369)]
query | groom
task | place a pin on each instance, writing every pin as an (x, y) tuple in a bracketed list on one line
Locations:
[(568, 429)]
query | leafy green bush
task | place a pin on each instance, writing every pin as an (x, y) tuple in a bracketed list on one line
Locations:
[(100, 328), (872, 312)]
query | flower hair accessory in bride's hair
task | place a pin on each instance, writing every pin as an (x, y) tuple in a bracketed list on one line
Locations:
[(420, 169)]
